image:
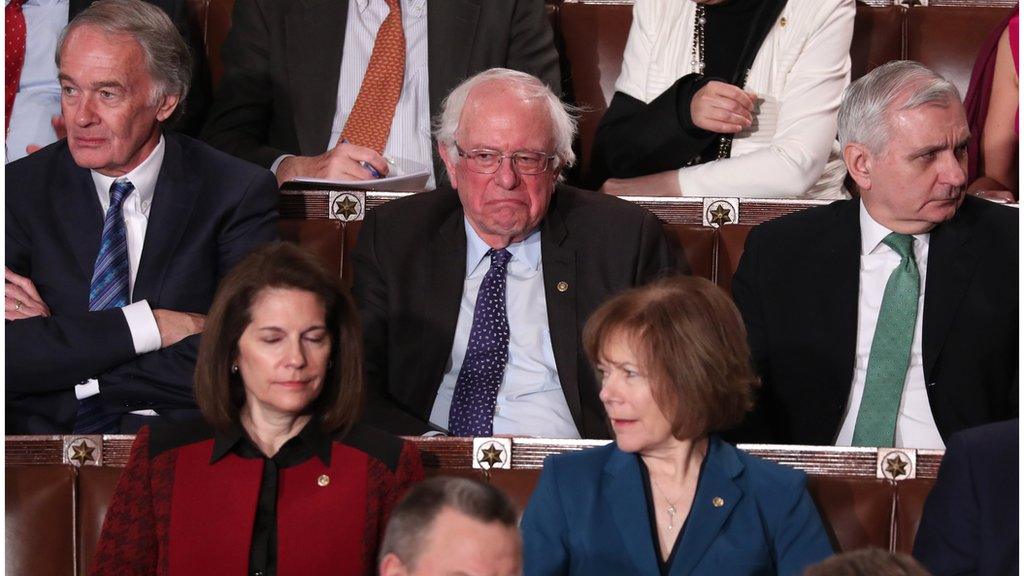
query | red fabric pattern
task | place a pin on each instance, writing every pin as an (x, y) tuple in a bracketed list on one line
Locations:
[(384, 490), (14, 55)]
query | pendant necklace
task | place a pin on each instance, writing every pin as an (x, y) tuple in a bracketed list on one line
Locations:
[(671, 505)]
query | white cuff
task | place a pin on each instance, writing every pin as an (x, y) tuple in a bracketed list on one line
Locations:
[(273, 167), (90, 387), (142, 324)]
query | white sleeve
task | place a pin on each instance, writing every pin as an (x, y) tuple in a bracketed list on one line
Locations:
[(806, 126), (636, 59), (142, 324)]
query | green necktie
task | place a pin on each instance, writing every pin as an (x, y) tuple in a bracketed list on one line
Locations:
[(890, 349)]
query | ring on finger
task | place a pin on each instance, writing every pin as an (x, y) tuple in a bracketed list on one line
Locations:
[(17, 305)]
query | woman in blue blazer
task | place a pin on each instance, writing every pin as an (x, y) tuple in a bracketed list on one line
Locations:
[(669, 496)]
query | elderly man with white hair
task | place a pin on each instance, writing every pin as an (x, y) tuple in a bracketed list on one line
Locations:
[(473, 298), (890, 320)]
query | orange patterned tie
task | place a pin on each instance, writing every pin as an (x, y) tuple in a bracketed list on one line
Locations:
[(369, 124)]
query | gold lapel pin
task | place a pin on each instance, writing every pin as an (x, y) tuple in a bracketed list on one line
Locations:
[(323, 480), (717, 502), (782, 22), (562, 286)]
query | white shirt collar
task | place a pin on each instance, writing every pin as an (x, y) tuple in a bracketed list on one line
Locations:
[(143, 177), (526, 252), (872, 233)]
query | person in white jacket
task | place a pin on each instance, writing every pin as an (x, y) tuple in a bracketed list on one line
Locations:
[(729, 98)]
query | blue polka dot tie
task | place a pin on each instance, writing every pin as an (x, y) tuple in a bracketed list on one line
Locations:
[(109, 289), (476, 390)]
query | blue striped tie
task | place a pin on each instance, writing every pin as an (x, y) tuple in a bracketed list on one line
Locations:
[(109, 289)]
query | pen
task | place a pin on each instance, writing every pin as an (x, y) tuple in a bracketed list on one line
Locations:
[(369, 167)]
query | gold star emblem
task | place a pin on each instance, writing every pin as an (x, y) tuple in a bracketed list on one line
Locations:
[(346, 207), (720, 215), (896, 466), (491, 455), (82, 453)]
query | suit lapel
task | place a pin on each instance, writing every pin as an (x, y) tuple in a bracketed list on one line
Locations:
[(838, 269), (451, 31), (706, 520), (623, 493), (79, 212), (559, 263), (173, 201), (952, 256), (315, 38)]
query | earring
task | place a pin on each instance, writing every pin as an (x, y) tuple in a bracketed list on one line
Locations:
[(234, 368)]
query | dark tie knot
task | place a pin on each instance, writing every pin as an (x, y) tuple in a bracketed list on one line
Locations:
[(903, 244), (500, 258), (120, 190)]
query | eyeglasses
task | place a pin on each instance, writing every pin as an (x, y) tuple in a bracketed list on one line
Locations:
[(483, 161)]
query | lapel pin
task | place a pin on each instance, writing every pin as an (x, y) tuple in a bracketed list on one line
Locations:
[(323, 480), (717, 502), (562, 286), (782, 22)]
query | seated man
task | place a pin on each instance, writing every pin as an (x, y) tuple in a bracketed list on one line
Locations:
[(889, 320), (473, 300), (448, 525), (32, 92), (103, 310), (340, 89)]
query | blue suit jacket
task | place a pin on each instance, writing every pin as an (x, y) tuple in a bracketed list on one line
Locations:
[(589, 515)]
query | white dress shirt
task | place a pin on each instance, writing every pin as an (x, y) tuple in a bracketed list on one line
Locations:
[(38, 98), (136, 207), (530, 401), (915, 425)]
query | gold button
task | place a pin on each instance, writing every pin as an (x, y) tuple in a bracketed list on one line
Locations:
[(562, 286), (717, 502), (782, 22), (323, 480)]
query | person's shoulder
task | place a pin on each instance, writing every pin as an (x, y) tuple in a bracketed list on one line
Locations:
[(26, 174), (165, 435), (596, 211), (200, 158), (808, 224), (416, 217), (997, 437), (580, 462), (443, 199), (990, 215), (375, 443), (765, 478)]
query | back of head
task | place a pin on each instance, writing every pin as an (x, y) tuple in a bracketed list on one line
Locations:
[(868, 562)]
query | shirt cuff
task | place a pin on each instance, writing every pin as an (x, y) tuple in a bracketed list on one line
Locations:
[(90, 387), (142, 324), (273, 167)]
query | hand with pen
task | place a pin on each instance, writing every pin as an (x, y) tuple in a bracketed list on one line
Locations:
[(346, 161)]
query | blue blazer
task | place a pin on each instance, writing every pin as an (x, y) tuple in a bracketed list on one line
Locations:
[(588, 515)]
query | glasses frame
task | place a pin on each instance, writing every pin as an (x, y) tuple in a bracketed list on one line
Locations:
[(550, 160)]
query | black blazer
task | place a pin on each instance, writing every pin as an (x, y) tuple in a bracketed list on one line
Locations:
[(282, 60), (797, 286), (970, 524), (410, 267), (209, 210)]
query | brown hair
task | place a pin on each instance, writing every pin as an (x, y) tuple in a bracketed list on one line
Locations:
[(690, 339), (868, 562), (220, 394)]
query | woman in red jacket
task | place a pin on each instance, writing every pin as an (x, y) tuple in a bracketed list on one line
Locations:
[(279, 479)]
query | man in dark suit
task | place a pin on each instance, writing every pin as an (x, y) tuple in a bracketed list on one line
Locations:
[(473, 300), (970, 524), (281, 105), (889, 320), (117, 237)]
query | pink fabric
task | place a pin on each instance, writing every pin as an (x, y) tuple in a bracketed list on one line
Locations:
[(1013, 27)]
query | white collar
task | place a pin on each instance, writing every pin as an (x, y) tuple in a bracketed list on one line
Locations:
[(872, 233), (143, 177)]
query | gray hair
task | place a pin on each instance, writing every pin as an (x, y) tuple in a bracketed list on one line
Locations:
[(414, 516), (166, 55), (867, 103), (527, 87)]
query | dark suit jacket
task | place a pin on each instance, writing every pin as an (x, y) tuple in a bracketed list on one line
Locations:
[(410, 267), (797, 286), (197, 100), (282, 59), (970, 523), (589, 515), (209, 210)]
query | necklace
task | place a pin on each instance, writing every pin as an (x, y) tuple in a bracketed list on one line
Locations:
[(671, 504)]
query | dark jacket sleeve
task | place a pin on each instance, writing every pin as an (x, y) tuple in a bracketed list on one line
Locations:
[(636, 139), (197, 101), (657, 257), (947, 539), (532, 44)]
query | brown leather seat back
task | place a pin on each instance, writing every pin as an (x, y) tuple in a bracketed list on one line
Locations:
[(877, 37), (910, 498), (39, 523), (95, 489), (593, 38), (698, 247), (322, 238), (351, 236), (946, 39), (518, 484), (856, 511), (731, 240)]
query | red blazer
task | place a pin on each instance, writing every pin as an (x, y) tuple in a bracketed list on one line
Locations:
[(176, 513)]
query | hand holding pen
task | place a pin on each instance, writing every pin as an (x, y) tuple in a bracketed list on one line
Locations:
[(346, 161)]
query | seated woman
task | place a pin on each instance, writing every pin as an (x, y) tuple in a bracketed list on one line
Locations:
[(280, 479), (991, 104), (734, 98), (669, 496)]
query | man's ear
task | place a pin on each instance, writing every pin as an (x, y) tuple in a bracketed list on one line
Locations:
[(167, 105), (449, 164), (390, 565), (859, 160)]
